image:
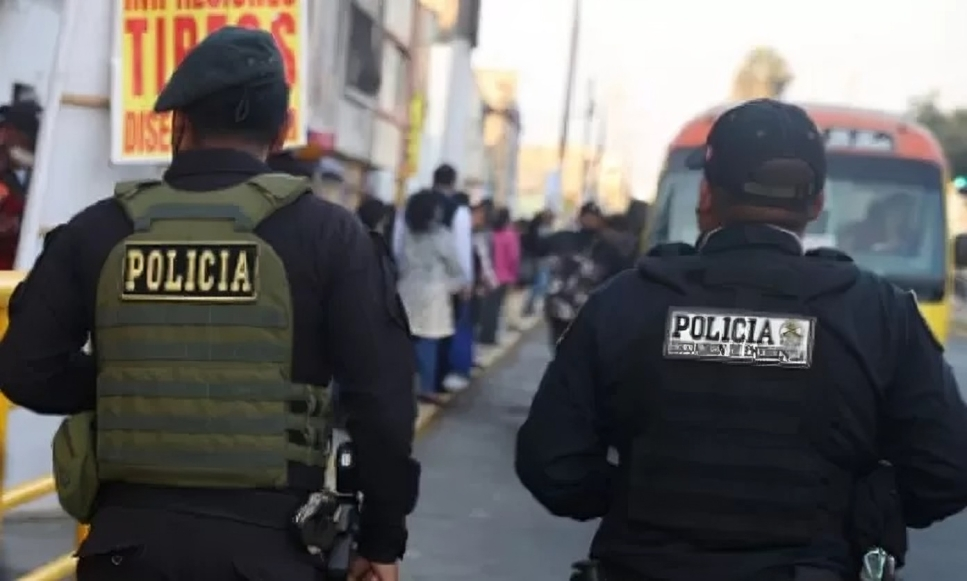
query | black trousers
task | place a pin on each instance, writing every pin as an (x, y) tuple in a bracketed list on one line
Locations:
[(491, 307), (159, 545)]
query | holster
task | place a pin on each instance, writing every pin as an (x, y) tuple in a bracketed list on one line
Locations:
[(877, 525)]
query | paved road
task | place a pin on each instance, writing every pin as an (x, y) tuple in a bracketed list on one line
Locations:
[(476, 522)]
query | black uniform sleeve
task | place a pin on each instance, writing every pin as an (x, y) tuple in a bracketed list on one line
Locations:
[(373, 361), (42, 367), (924, 428), (562, 454)]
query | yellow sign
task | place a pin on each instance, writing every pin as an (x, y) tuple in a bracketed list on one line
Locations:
[(414, 135), (152, 38), (205, 272)]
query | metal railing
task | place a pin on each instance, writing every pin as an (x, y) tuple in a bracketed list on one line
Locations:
[(62, 567)]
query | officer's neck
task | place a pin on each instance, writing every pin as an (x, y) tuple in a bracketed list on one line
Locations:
[(215, 144), (791, 229), (733, 229)]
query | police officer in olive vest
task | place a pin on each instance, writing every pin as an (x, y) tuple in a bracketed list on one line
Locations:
[(749, 389), (220, 303)]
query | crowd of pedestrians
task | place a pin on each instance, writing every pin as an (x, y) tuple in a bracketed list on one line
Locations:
[(457, 263)]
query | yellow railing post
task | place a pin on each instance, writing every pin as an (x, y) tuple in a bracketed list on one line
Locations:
[(5, 291), (64, 565), (4, 413)]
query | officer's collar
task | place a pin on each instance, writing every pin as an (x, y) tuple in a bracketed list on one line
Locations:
[(214, 161), (751, 235)]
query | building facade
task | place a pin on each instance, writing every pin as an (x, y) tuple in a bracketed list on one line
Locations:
[(451, 97), (478, 176), (395, 94), (359, 99), (424, 35), (501, 131)]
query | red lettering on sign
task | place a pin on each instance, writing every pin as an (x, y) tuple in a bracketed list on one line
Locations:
[(135, 28), (216, 21), (160, 57), (147, 133), (249, 21), (283, 28)]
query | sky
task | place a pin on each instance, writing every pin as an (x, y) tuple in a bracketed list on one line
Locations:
[(656, 65)]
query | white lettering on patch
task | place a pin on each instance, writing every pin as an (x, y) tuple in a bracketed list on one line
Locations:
[(740, 337)]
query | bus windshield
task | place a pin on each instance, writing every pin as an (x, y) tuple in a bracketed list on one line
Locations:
[(887, 213)]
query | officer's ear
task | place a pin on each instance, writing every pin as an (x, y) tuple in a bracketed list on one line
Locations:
[(279, 142), (816, 209), (179, 130), (704, 197)]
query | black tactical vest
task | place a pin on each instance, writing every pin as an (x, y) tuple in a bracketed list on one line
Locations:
[(730, 454)]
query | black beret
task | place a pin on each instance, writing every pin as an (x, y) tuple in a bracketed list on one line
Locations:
[(229, 57)]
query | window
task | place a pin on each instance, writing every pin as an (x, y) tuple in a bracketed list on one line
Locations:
[(364, 54), (393, 92), (885, 212)]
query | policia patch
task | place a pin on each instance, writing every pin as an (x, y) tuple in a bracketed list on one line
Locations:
[(740, 337), (225, 272)]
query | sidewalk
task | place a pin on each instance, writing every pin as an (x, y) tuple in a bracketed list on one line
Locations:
[(513, 329)]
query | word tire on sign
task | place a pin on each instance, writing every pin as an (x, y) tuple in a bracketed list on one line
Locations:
[(740, 337), (153, 37)]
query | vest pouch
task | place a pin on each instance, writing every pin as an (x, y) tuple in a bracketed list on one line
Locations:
[(75, 466)]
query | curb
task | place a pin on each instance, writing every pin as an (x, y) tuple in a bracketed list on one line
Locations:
[(428, 413)]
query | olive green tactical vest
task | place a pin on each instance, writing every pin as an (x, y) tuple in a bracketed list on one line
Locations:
[(194, 344)]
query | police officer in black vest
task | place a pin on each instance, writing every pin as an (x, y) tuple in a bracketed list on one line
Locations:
[(747, 389), (268, 293)]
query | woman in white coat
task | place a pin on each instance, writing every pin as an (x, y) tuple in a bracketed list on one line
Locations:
[(429, 273)]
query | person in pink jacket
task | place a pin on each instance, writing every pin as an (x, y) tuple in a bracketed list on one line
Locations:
[(505, 245)]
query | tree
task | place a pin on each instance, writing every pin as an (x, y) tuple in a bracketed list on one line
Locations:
[(763, 73), (950, 128)]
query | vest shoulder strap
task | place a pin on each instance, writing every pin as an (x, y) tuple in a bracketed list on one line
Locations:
[(280, 187), (126, 190), (246, 204)]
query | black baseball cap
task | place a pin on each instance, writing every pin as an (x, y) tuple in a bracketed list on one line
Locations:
[(229, 57), (23, 117), (764, 153)]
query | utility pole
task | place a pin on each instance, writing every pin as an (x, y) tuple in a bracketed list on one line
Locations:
[(599, 152), (569, 79), (586, 154), (557, 181)]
